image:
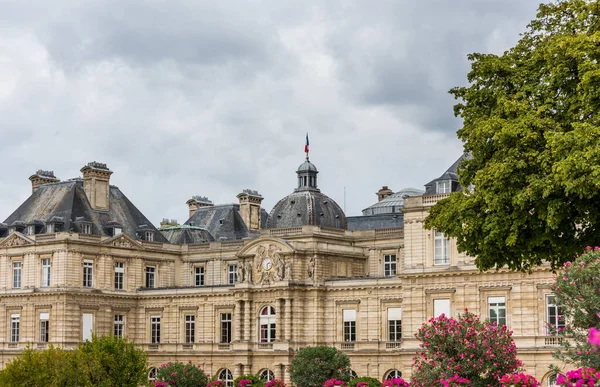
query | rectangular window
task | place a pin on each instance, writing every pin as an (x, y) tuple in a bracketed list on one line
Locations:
[(497, 310), (199, 276), (232, 274), (31, 230), (555, 316), (118, 326), (225, 328), (443, 187), (394, 324), (441, 306), (119, 275), (389, 265), (86, 228), (15, 322), (87, 324), (441, 249), (349, 317), (17, 270), (149, 236), (50, 228), (150, 276), (190, 328), (44, 327), (45, 272), (155, 329), (88, 273), (117, 231)]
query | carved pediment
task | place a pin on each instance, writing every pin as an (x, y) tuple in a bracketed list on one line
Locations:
[(124, 241), (17, 239), (265, 260)]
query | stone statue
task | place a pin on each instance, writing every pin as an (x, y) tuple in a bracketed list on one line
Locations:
[(288, 270), (240, 273), (311, 267), (249, 271)]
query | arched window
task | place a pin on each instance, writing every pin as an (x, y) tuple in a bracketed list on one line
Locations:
[(552, 380), (266, 375), (353, 375), (267, 324), (392, 374), (152, 374), (226, 376)]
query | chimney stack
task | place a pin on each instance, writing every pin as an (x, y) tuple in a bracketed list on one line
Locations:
[(96, 184), (42, 177), (383, 193), (250, 208), (168, 223), (196, 202)]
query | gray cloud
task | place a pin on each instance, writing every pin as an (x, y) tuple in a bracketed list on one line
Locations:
[(197, 97)]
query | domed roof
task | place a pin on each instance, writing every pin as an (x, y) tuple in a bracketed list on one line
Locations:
[(307, 166), (307, 207), (392, 203)]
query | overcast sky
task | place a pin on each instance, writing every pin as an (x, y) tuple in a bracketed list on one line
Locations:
[(183, 98)]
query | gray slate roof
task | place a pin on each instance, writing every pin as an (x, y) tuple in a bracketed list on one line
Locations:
[(307, 207), (374, 222), (450, 174), (223, 222), (185, 234), (66, 201), (393, 203)]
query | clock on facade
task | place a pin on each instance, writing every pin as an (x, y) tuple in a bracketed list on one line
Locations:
[(267, 264)]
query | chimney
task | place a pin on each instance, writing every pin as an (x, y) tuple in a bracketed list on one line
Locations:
[(196, 202), (384, 192), (42, 177), (96, 180), (250, 208), (168, 223)]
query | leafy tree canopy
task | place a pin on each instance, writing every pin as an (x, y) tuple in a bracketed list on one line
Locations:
[(531, 125), (312, 366)]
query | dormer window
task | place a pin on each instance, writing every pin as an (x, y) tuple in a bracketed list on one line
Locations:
[(31, 229), (86, 228), (50, 228), (149, 236), (117, 231), (443, 187)]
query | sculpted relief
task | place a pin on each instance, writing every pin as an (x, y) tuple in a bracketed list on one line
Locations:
[(268, 266)]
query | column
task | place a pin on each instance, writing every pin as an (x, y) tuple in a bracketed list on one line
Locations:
[(248, 321), (281, 317), (237, 321), (288, 320)]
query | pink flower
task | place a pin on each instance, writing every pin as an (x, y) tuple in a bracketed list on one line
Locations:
[(594, 337)]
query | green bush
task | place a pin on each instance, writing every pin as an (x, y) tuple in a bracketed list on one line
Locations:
[(312, 366), (370, 382), (254, 381), (182, 375)]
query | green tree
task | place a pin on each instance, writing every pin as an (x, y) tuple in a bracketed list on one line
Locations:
[(531, 125), (111, 361), (52, 367), (577, 292), (312, 366)]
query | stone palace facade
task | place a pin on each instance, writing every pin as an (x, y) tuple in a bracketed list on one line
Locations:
[(237, 290)]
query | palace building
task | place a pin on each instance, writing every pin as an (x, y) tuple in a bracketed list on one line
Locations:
[(238, 290)]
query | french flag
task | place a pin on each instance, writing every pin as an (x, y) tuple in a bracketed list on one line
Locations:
[(306, 146)]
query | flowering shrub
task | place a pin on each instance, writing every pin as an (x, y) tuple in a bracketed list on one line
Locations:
[(312, 366), (247, 381), (275, 383), (519, 380), (333, 383), (395, 382), (160, 384), (217, 383), (579, 377), (455, 381), (468, 348), (181, 375), (576, 291), (364, 381)]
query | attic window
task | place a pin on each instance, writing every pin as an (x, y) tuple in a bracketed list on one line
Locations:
[(149, 236), (50, 228), (443, 187), (278, 216), (31, 229), (293, 202), (86, 228), (299, 214), (325, 202), (117, 231), (220, 221), (322, 214)]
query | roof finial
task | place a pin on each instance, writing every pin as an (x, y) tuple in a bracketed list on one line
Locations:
[(306, 147)]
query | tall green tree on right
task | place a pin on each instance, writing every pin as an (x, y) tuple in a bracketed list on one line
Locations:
[(531, 126)]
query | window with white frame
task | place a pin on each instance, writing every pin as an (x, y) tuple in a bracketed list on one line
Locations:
[(15, 322), (155, 329), (199, 276), (393, 374), (443, 186), (552, 379), (17, 271), (266, 375), (45, 272), (117, 231), (152, 374), (226, 376), (86, 228), (149, 236), (88, 273), (190, 328), (119, 275), (441, 249), (44, 327), (268, 328), (232, 274), (87, 324), (394, 324), (50, 228), (118, 325), (497, 310), (389, 265), (225, 328), (349, 318), (441, 307), (555, 318), (150, 276), (31, 229)]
